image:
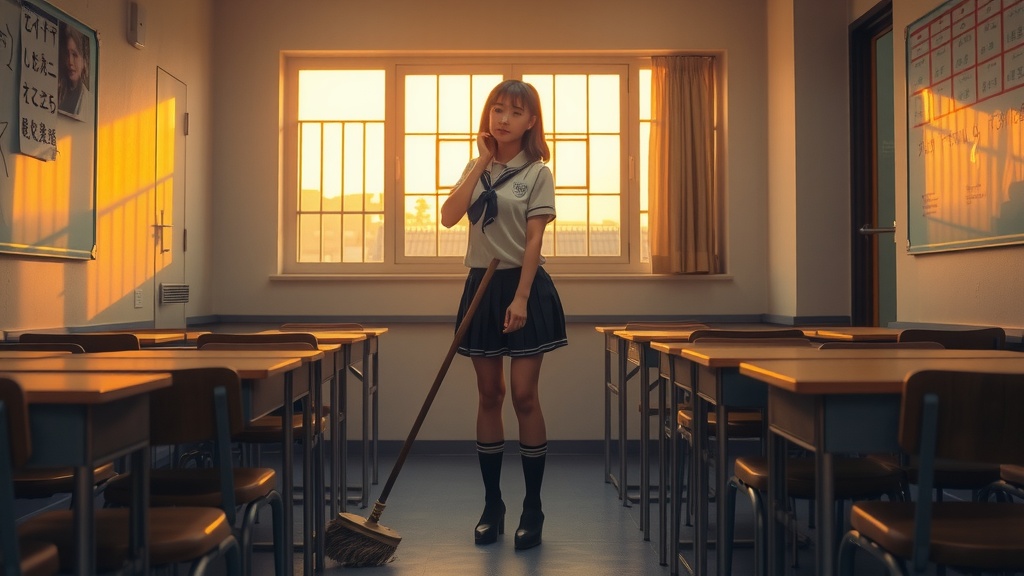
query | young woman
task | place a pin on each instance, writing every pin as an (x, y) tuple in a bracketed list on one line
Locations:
[(73, 84), (509, 195)]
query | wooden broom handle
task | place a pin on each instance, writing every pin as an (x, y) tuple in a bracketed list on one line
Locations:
[(459, 333)]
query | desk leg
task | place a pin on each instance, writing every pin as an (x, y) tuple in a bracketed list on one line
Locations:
[(700, 485), (140, 467), (339, 416), (776, 541), (84, 518), (721, 472), (645, 441), (365, 486), (313, 471), (675, 478), (663, 461), (622, 423), (287, 474), (376, 406), (825, 493), (607, 413)]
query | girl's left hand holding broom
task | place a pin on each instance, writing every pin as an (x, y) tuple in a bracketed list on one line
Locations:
[(354, 541)]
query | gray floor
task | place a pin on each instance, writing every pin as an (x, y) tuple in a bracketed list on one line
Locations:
[(437, 500)]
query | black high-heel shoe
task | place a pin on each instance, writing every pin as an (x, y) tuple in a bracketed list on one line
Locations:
[(531, 524), (492, 523)]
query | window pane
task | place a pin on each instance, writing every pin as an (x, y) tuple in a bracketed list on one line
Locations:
[(571, 225), (332, 238), (572, 163), (604, 226), (420, 104), (455, 156), (454, 240), (420, 164), (482, 86), (374, 167), (604, 165), (374, 238), (331, 160), (353, 248), (571, 103), (604, 103), (645, 147), (353, 160), (309, 238), (309, 169), (420, 228), (341, 94), (453, 106)]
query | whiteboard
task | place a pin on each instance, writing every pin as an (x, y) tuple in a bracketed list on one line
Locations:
[(47, 132), (965, 126)]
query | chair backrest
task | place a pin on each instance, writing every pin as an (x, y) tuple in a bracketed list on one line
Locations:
[(105, 342), (804, 342), (184, 412), (43, 347), (971, 339), (14, 450), (223, 338), (665, 325), (959, 416), (759, 333), (922, 345), (326, 326), (980, 415)]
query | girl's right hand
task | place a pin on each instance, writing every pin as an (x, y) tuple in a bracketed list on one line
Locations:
[(487, 145)]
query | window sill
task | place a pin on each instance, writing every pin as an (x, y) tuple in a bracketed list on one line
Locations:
[(566, 277)]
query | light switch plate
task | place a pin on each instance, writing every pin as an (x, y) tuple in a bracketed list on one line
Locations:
[(138, 298)]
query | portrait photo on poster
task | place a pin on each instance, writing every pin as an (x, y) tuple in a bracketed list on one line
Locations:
[(73, 82)]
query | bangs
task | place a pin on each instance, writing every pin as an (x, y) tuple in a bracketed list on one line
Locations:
[(514, 93)]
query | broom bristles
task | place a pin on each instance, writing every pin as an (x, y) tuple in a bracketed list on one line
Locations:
[(355, 542)]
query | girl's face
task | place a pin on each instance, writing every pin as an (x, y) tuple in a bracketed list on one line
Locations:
[(509, 121), (73, 62)]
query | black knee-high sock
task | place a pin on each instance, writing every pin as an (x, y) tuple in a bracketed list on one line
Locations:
[(490, 456), (533, 473)]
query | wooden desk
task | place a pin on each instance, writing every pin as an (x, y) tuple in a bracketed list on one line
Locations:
[(835, 406), (268, 383), (108, 415), (637, 344), (710, 373), (159, 337), (367, 342)]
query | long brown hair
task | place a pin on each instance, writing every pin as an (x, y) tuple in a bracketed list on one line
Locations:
[(522, 94)]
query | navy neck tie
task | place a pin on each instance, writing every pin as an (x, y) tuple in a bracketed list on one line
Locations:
[(487, 204)]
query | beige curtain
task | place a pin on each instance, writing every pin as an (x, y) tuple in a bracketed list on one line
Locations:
[(682, 203)]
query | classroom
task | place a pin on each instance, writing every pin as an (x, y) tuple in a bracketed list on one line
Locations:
[(784, 175)]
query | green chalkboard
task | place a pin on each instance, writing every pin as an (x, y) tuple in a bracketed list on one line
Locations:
[(48, 87), (965, 126)]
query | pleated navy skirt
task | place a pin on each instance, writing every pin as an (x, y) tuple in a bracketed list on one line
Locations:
[(545, 321)]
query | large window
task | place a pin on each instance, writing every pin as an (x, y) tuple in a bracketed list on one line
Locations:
[(373, 147)]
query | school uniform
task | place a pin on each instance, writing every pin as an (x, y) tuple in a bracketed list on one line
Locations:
[(498, 213)]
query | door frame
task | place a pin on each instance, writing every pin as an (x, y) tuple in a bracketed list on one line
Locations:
[(863, 164)]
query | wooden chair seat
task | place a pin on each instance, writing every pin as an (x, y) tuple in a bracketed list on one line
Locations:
[(18, 554), (959, 475), (175, 535), (46, 482), (741, 423), (38, 558), (194, 487), (267, 429), (855, 478), (982, 535)]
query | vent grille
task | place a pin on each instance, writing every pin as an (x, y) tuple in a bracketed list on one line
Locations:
[(173, 293)]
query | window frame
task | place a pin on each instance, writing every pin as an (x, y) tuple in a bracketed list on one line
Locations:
[(513, 66)]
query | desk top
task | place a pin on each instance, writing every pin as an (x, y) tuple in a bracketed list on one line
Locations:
[(676, 335), (730, 356), (864, 376), (251, 367), (153, 337), (857, 334), (31, 353), (329, 336), (185, 353), (85, 387)]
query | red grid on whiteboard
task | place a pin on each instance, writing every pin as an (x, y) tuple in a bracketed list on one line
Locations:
[(972, 52)]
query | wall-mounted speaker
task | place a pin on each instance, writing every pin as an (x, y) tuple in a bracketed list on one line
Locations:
[(137, 25)]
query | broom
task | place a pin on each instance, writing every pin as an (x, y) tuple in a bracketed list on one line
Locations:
[(354, 541)]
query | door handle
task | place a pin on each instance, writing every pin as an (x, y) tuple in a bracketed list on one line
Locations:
[(161, 226), (867, 230)]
